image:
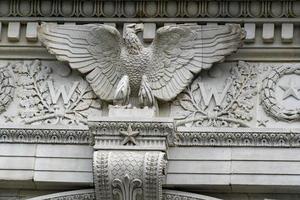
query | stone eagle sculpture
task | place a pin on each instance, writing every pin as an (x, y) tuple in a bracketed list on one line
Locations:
[(119, 67)]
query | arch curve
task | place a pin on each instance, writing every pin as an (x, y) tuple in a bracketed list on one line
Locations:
[(88, 194)]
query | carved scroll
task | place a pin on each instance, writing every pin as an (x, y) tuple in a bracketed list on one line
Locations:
[(128, 175)]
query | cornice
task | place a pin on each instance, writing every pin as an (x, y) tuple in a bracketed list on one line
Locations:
[(150, 9), (265, 41), (180, 136)]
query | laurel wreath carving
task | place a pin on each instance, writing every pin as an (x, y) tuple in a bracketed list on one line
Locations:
[(7, 87), (268, 97), (235, 111), (35, 100)]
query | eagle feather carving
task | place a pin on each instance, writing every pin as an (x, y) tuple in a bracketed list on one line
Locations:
[(118, 68)]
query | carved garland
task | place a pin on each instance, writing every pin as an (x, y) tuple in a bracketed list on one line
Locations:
[(268, 97)]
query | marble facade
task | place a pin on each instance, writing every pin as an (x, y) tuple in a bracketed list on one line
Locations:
[(232, 133)]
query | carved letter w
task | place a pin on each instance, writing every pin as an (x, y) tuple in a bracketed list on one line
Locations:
[(61, 91), (213, 93)]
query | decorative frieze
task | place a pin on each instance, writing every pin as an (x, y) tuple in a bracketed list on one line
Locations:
[(149, 9), (44, 135), (238, 137)]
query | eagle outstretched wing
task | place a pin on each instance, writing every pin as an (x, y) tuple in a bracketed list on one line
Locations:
[(180, 51), (92, 49)]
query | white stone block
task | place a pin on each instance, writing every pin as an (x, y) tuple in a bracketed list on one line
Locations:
[(13, 32), (31, 31), (197, 179), (262, 180), (268, 32), (287, 32), (266, 154), (131, 112), (250, 29), (199, 167), (60, 164), (17, 150), (17, 163), (18, 175), (265, 167), (64, 177), (64, 151), (149, 32), (191, 153)]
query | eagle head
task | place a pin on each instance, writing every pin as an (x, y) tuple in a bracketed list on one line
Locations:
[(131, 40)]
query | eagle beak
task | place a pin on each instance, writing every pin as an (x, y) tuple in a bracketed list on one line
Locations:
[(139, 27), (131, 26)]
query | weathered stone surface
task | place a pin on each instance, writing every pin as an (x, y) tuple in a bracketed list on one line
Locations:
[(234, 128)]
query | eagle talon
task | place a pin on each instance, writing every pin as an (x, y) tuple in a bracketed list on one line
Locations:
[(122, 93), (146, 96)]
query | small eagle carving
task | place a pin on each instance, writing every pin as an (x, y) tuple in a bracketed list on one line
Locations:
[(120, 67)]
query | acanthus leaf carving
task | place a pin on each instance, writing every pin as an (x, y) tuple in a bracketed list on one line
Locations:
[(127, 188)]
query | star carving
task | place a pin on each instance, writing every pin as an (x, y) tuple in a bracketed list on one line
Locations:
[(8, 118), (129, 135), (291, 89), (262, 122)]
